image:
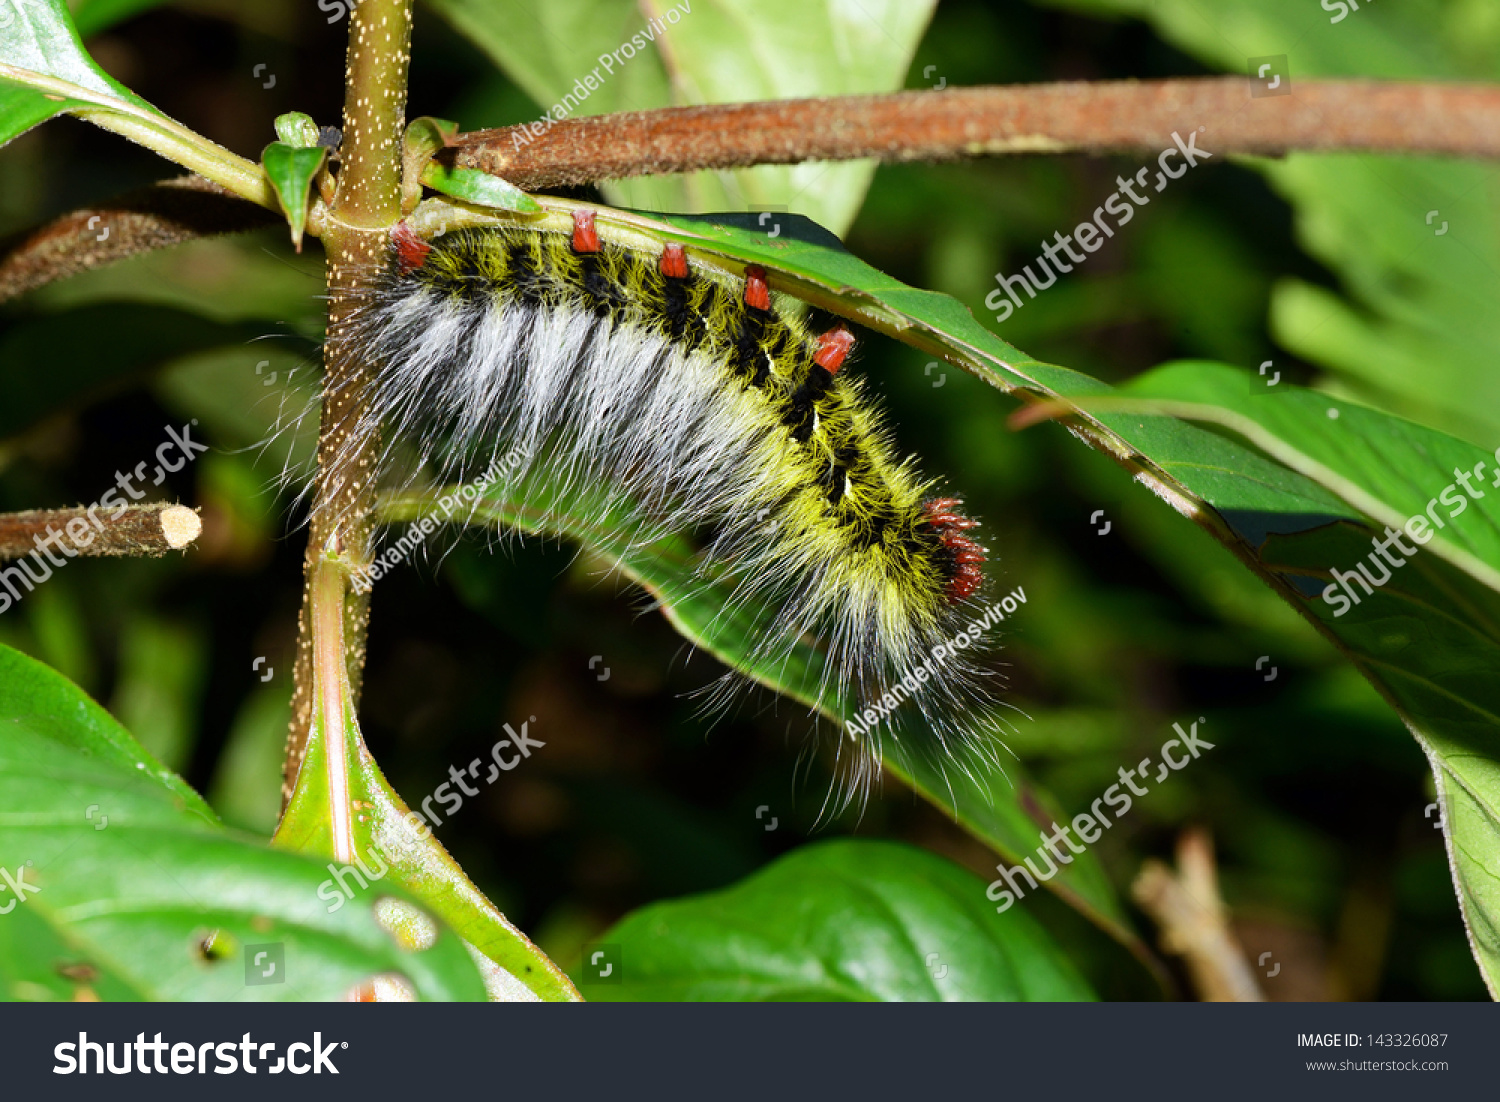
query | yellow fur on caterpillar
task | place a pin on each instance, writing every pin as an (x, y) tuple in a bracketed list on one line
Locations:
[(698, 404)]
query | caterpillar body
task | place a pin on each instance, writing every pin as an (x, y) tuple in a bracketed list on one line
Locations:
[(698, 403)]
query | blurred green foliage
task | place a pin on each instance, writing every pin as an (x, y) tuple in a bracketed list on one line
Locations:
[(1315, 794)]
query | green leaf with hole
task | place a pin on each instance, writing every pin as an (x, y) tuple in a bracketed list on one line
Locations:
[(843, 921), (291, 170), (343, 808), (591, 57), (116, 873)]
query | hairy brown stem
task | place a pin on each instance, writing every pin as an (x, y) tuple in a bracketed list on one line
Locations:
[(1097, 117), (1102, 117), (141, 530), (156, 217), (355, 236)]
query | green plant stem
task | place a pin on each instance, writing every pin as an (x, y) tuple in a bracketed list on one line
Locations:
[(159, 134), (356, 234), (328, 644)]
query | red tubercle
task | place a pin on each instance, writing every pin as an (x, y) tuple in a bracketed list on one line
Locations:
[(585, 236), (942, 511), (411, 250), (833, 348), (965, 584), (757, 291), (943, 515), (674, 263)]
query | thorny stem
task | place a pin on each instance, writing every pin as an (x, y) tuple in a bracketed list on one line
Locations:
[(355, 237)]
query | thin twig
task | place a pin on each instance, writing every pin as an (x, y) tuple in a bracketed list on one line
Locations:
[(1194, 922), (156, 217), (141, 530), (1098, 117)]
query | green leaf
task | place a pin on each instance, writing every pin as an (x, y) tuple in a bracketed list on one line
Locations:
[(291, 171), (1282, 525), (38, 38), (45, 71), (297, 129), (1005, 812), (474, 186), (837, 921), (342, 804), (128, 871), (705, 53), (1428, 636), (1414, 241), (424, 137)]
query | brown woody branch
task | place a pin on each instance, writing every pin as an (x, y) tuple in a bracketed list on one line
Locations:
[(141, 530), (1098, 117), (156, 217)]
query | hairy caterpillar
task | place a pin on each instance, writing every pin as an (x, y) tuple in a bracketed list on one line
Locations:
[(698, 403)]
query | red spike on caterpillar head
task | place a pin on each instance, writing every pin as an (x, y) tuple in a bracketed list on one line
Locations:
[(411, 250), (966, 555), (757, 291), (833, 347), (942, 511), (674, 263), (585, 236)]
